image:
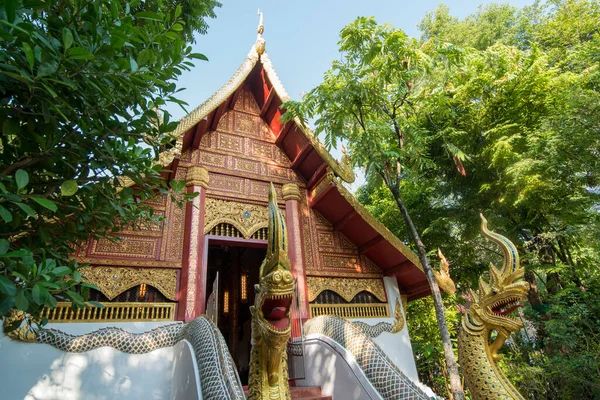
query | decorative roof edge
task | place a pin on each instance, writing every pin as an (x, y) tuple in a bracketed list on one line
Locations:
[(343, 169), (378, 225), (215, 100)]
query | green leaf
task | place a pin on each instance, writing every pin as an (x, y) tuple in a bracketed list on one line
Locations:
[(47, 68), (80, 53), (67, 38), (178, 10), (9, 8), (61, 271), (39, 294), (51, 301), (4, 245), (76, 297), (45, 203), (133, 64), (6, 304), (21, 301), (7, 286), (16, 253), (96, 304), (28, 210), (5, 214), (177, 27), (69, 188), (198, 56), (29, 54), (21, 178)]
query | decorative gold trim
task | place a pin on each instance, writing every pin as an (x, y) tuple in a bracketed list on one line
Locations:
[(347, 288), (128, 262), (113, 281), (327, 180), (398, 318), (111, 312), (197, 176), (290, 191), (247, 218), (23, 332), (376, 310), (379, 227)]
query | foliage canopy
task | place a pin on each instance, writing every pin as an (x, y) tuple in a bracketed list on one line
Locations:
[(81, 83)]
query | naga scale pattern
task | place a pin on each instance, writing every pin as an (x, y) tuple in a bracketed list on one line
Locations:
[(383, 374), (218, 375)]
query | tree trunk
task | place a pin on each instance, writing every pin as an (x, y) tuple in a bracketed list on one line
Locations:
[(455, 385)]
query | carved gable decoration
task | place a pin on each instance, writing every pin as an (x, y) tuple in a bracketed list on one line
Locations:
[(347, 288), (247, 218), (113, 281)]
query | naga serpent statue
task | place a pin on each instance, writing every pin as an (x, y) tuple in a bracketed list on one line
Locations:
[(271, 327), (489, 312)]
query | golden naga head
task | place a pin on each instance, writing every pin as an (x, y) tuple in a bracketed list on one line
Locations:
[(443, 276), (275, 290), (493, 302)]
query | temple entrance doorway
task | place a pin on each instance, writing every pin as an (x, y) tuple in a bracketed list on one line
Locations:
[(236, 265)]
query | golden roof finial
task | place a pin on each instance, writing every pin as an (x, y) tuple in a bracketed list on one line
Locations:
[(260, 42), (261, 25)]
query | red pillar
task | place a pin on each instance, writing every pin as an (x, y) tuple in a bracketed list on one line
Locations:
[(291, 195), (193, 276)]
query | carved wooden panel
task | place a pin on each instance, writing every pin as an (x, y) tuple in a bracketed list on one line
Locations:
[(113, 281), (347, 288), (333, 253), (247, 218)]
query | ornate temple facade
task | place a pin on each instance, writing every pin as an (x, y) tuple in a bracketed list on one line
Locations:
[(204, 256)]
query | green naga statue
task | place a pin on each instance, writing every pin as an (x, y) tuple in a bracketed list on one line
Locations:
[(489, 312), (271, 325)]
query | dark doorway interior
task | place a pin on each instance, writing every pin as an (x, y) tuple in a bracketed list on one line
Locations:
[(236, 266)]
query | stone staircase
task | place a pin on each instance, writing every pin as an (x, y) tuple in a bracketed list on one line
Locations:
[(303, 393)]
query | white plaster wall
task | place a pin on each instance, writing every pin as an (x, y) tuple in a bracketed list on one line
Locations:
[(395, 345), (34, 371), (329, 366), (185, 382)]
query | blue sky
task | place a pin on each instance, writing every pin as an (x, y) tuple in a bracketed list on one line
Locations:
[(301, 39)]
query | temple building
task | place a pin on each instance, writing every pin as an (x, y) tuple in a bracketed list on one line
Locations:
[(204, 257)]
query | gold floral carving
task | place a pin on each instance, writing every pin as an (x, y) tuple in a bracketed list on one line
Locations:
[(113, 281), (398, 318), (197, 176), (347, 288), (247, 218), (328, 179), (290, 191)]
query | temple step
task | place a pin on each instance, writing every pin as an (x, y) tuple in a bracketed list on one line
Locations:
[(307, 393), (303, 393)]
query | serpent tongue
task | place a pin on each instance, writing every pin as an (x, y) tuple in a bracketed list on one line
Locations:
[(510, 309), (277, 313), (275, 310)]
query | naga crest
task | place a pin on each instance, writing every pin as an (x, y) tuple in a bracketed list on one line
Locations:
[(271, 325), (493, 302)]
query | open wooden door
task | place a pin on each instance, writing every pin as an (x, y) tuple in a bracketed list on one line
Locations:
[(212, 305)]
